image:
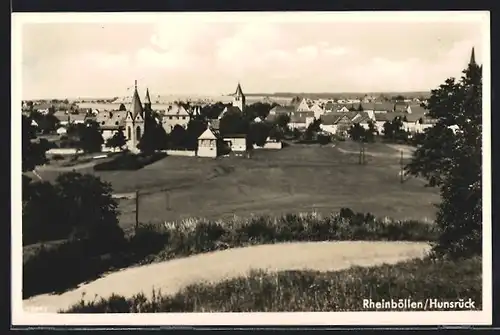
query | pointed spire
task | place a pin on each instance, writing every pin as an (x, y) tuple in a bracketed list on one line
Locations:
[(472, 57), (136, 106), (147, 99), (239, 91)]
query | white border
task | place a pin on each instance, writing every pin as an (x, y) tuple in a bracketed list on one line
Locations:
[(19, 317)]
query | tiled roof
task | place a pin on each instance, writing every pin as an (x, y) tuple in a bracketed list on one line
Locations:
[(111, 118), (282, 110), (136, 106)]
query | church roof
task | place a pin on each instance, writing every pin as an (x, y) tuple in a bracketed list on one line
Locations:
[(136, 106), (147, 99), (239, 91)]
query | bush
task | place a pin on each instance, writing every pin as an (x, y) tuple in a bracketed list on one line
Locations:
[(311, 291)]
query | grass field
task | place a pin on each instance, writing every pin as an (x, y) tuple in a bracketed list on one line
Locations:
[(299, 178)]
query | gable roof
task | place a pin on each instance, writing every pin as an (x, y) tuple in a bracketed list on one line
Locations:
[(282, 110), (208, 134), (111, 119)]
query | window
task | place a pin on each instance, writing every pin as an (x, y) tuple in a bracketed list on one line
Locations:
[(138, 133), (129, 132), (103, 122), (116, 123)]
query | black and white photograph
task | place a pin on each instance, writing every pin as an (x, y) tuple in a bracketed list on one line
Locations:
[(238, 168)]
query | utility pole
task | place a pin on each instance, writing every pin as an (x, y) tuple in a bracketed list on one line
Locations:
[(401, 168), (136, 209)]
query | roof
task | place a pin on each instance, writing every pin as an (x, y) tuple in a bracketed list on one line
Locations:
[(209, 134), (389, 116), (331, 118), (282, 110), (177, 110), (239, 91), (111, 119), (61, 116), (230, 109), (147, 99), (361, 117), (383, 106), (136, 105)]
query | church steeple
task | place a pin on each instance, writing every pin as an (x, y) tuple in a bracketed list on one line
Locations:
[(147, 101), (472, 58), (239, 98), (136, 106)]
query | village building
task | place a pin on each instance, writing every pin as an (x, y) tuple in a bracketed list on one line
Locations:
[(238, 104), (236, 142), (303, 106), (175, 114), (209, 143)]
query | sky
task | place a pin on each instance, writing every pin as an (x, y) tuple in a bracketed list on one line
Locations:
[(183, 54)]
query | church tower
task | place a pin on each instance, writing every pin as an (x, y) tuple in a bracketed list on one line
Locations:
[(472, 58), (134, 123), (239, 98)]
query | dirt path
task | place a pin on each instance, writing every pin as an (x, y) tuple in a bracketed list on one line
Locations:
[(171, 276)]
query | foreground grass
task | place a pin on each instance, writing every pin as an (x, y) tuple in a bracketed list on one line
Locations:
[(295, 291), (65, 266)]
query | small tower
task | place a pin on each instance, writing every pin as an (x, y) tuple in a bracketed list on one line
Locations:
[(134, 123), (239, 98)]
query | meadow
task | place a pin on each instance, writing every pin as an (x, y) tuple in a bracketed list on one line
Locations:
[(298, 178)]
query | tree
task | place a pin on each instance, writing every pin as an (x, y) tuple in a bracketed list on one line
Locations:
[(33, 153), (233, 123), (371, 132), (153, 139), (312, 129), (89, 137), (452, 162), (194, 129), (76, 206), (178, 137), (356, 132), (118, 140), (122, 108), (87, 205), (360, 108), (282, 121), (258, 133)]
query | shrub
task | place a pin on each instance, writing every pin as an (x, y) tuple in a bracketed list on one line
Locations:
[(311, 291)]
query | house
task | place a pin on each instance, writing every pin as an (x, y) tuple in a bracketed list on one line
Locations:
[(382, 107), (61, 131), (317, 110), (303, 106), (329, 122), (175, 114), (343, 109), (300, 119), (278, 110), (400, 107), (209, 143), (236, 142)]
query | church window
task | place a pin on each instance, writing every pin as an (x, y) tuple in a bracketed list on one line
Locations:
[(138, 133), (129, 133)]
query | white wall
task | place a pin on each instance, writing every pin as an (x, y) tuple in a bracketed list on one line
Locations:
[(63, 151), (331, 128), (207, 151), (185, 153), (271, 145)]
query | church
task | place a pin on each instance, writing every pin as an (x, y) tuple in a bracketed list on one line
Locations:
[(136, 119)]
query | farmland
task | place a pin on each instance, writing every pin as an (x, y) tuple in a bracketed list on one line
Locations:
[(296, 179)]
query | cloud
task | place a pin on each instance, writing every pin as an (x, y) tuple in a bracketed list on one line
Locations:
[(182, 54)]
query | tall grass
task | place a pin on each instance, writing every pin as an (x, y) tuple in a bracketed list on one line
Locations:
[(301, 291), (75, 262)]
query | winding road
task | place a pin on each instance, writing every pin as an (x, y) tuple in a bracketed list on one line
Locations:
[(172, 276)]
